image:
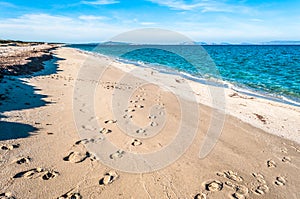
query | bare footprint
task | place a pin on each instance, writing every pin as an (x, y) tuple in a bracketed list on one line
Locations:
[(214, 186), (126, 116), (88, 127), (280, 181), (7, 195), (105, 131), (139, 106), (152, 117), (45, 174), (284, 150), (108, 178), (110, 121), (136, 142), (153, 124), (259, 177), (286, 159), (262, 189), (200, 196), (76, 157), (70, 195), (86, 141), (240, 190), (271, 164), (24, 160), (130, 110), (117, 154), (140, 131), (231, 175), (49, 175), (9, 147)]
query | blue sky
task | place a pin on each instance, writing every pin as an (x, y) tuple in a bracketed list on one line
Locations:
[(99, 20)]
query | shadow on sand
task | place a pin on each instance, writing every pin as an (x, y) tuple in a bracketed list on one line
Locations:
[(17, 94)]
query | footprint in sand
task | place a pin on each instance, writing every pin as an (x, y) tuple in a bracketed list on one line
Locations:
[(240, 190), (140, 131), (105, 131), (200, 196), (286, 159), (91, 140), (139, 106), (9, 147), (24, 160), (117, 154), (259, 177), (153, 124), (77, 157), (214, 186), (7, 195), (152, 117), (70, 195), (110, 121), (140, 96), (126, 116), (88, 127), (231, 175), (136, 142), (130, 110), (280, 181), (262, 189), (49, 175), (45, 174), (109, 178), (271, 164), (295, 148), (284, 150)]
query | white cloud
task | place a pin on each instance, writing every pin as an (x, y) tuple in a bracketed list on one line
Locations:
[(89, 28), (92, 17), (147, 23), (238, 30), (44, 27), (177, 4), (100, 2), (256, 20), (202, 5), (7, 4)]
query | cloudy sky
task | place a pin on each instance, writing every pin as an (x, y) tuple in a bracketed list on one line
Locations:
[(99, 20)]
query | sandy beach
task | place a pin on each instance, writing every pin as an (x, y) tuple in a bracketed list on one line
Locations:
[(54, 140)]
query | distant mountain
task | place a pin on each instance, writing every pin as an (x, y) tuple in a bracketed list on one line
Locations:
[(201, 43), (281, 43), (113, 43), (249, 43), (188, 43)]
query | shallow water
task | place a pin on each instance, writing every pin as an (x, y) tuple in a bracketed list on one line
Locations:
[(272, 70)]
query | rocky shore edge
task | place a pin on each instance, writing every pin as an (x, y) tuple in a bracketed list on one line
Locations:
[(24, 58)]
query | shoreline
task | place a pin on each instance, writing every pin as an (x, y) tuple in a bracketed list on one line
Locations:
[(261, 118), (56, 159), (288, 100)]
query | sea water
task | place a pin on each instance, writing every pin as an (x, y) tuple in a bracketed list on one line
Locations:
[(270, 70)]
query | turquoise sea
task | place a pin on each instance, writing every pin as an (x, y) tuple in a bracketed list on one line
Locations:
[(270, 71)]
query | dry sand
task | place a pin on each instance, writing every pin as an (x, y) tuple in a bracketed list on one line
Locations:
[(249, 160)]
